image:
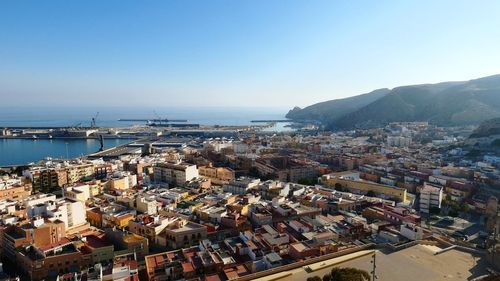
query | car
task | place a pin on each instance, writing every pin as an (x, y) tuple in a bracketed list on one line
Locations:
[(460, 235), (483, 234)]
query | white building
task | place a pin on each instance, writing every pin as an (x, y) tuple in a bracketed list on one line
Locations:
[(146, 205), (175, 174), (241, 186), (412, 232), (71, 212), (35, 204), (398, 141), (430, 196), (80, 192)]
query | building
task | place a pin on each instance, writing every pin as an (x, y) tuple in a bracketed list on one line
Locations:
[(71, 212), (286, 169), (241, 185), (145, 204), (122, 181), (217, 175), (412, 232), (182, 234), (80, 171), (35, 204), (352, 181), (149, 226), (14, 189), (47, 180), (38, 232), (80, 192), (96, 249), (430, 197), (398, 141), (50, 260), (128, 243), (398, 215), (175, 174)]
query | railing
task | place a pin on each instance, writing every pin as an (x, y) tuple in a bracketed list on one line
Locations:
[(304, 263)]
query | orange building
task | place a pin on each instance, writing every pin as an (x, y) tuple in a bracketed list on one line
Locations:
[(94, 217), (15, 192), (51, 260)]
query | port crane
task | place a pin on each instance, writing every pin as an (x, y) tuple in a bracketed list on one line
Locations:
[(94, 120)]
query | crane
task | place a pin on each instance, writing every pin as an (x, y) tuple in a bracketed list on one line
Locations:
[(94, 119), (158, 117)]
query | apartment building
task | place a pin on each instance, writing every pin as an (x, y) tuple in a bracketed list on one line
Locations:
[(78, 191), (47, 180), (182, 234), (431, 196), (38, 232), (80, 171), (50, 260), (217, 175), (149, 226), (122, 181), (175, 174), (241, 186), (14, 189), (352, 181), (71, 212)]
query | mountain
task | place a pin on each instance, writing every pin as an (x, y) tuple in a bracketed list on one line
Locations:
[(331, 110), (444, 104)]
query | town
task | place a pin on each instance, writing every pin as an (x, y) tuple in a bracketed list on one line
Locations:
[(243, 205)]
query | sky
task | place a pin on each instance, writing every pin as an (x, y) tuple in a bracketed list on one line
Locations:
[(236, 53)]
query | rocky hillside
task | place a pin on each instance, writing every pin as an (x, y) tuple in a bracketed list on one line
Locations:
[(445, 104)]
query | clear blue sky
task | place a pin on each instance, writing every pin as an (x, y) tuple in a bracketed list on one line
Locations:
[(235, 52)]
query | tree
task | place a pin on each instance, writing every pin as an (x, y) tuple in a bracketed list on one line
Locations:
[(308, 181), (343, 274), (253, 172), (464, 207), (453, 213), (371, 193), (434, 210), (339, 187)]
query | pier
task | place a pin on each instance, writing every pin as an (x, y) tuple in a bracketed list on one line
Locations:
[(272, 121), (152, 120)]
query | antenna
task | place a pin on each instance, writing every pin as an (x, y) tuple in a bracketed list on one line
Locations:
[(374, 275)]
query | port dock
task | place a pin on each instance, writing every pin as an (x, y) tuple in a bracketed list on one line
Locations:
[(272, 121), (153, 120)]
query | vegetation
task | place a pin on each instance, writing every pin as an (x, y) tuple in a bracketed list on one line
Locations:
[(434, 210), (473, 153), (343, 274), (454, 208), (496, 142), (371, 193), (308, 181), (339, 187)]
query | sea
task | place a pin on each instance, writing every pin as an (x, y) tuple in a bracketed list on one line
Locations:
[(24, 151)]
